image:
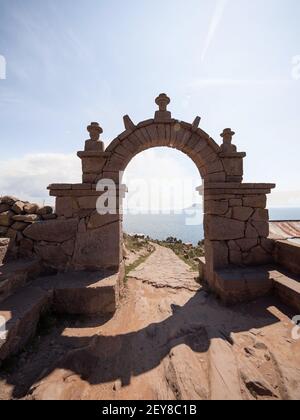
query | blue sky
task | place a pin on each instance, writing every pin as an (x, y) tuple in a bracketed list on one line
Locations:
[(70, 62)]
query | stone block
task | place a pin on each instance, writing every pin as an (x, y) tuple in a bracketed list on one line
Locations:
[(52, 255), (85, 203), (257, 256), (18, 207), (215, 177), (19, 226), (256, 201), (30, 208), (6, 218), (246, 244), (233, 166), (220, 228), (96, 220), (216, 207), (217, 253), (49, 216), (45, 210), (242, 284), (27, 218), (236, 202), (242, 213), (4, 244), (251, 232), (65, 206), (4, 207), (235, 257), (89, 178), (261, 215), (93, 164), (52, 230), (262, 228), (98, 248), (8, 199), (287, 254), (3, 231), (68, 247)]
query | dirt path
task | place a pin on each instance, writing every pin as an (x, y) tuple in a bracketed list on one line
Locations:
[(168, 340)]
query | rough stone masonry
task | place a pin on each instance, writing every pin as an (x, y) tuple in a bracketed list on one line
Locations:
[(76, 237)]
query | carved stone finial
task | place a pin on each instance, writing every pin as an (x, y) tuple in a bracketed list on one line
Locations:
[(129, 125), (227, 146), (95, 130), (196, 122), (162, 101), (94, 144)]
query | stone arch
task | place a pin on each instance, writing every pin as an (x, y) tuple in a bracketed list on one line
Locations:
[(187, 138), (236, 225)]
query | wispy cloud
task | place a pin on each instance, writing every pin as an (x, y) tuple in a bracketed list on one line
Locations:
[(202, 83), (28, 177), (214, 24)]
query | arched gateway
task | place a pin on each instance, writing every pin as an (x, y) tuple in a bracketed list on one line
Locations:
[(235, 222)]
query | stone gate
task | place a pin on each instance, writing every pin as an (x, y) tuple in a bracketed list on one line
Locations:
[(236, 222)]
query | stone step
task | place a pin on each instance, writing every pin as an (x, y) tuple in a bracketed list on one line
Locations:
[(84, 293), (16, 274), (80, 293), (19, 317), (287, 287)]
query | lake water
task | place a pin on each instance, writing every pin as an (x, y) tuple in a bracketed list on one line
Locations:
[(188, 227)]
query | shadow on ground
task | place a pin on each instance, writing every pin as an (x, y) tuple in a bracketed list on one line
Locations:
[(104, 359)]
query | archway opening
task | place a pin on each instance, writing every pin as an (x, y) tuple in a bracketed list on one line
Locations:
[(163, 202)]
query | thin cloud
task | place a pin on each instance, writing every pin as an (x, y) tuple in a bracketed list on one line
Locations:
[(27, 177), (214, 24), (202, 83)]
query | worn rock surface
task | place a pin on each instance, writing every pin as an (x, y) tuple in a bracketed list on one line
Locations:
[(169, 340)]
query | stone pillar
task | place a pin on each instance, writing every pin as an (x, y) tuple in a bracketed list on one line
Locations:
[(236, 225), (98, 243)]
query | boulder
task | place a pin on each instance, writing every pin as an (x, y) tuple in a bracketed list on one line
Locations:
[(4, 207), (52, 230), (31, 208), (27, 218), (19, 226), (18, 207), (6, 218), (8, 199), (45, 210)]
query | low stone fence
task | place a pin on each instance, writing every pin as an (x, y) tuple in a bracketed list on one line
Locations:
[(287, 254), (17, 221)]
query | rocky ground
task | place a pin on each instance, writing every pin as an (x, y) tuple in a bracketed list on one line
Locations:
[(169, 339)]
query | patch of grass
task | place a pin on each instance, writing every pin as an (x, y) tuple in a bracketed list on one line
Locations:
[(135, 243)]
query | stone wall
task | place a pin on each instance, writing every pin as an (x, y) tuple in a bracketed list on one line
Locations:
[(236, 224), (35, 231)]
